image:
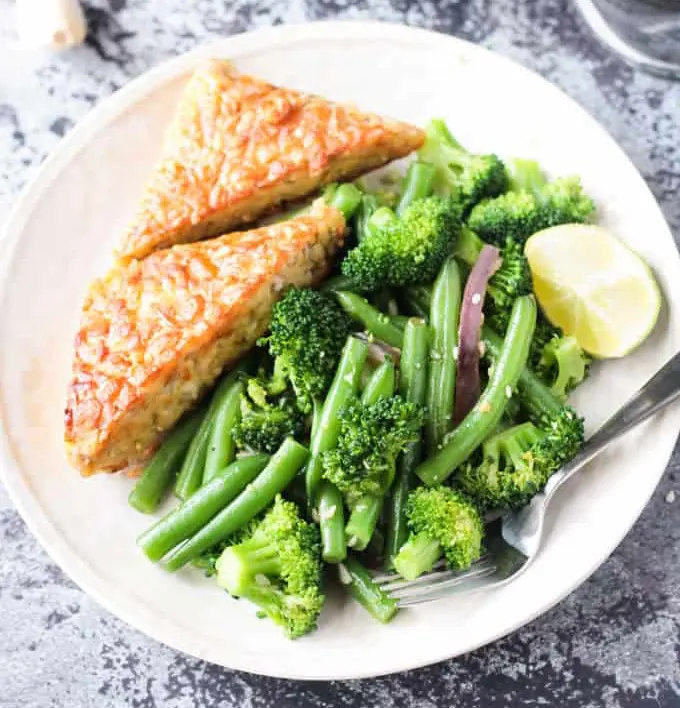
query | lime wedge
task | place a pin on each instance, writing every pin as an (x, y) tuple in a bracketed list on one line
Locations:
[(591, 285)]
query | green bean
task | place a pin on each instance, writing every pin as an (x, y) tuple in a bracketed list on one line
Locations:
[(369, 204), (337, 282), (331, 523), (375, 322), (346, 199), (221, 447), (419, 184), (160, 473), (480, 422), (380, 384), (535, 397), (399, 321), (366, 591), (192, 515), (362, 521), (345, 384), (258, 495), (191, 474), (444, 310), (413, 388)]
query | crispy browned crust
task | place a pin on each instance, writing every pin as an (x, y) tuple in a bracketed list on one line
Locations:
[(154, 334), (239, 146)]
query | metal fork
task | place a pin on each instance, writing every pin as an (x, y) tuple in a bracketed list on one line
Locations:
[(514, 538)]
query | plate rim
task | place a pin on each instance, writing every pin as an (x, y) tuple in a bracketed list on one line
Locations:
[(97, 119)]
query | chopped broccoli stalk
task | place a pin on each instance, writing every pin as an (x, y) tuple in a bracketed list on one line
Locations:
[(371, 437), (532, 204), (277, 566), (265, 423), (563, 364), (467, 176), (307, 333), (442, 522), (510, 281), (515, 465), (405, 250)]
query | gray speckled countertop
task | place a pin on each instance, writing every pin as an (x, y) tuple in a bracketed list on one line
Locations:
[(614, 643)]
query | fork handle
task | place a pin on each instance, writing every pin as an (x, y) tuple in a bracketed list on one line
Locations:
[(658, 392)]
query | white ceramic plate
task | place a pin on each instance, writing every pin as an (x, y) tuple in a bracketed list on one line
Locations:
[(63, 231)]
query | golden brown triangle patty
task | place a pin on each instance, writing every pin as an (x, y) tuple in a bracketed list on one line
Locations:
[(239, 146), (154, 334)]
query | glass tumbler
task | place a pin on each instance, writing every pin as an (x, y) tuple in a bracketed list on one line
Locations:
[(644, 32)]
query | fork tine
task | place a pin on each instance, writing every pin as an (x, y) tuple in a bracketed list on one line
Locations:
[(442, 589), (435, 580), (438, 573)]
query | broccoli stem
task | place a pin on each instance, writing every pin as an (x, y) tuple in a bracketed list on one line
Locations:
[(526, 176), (538, 400), (444, 310), (381, 218), (273, 479), (417, 556), (380, 384), (485, 416), (468, 246), (369, 205), (419, 183), (221, 447), (346, 199), (366, 591), (331, 523), (362, 521), (160, 473), (413, 388), (374, 321), (193, 514), (345, 384)]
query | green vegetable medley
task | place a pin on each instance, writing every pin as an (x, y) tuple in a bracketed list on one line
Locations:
[(333, 442)]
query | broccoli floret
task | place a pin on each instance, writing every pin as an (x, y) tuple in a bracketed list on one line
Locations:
[(563, 365), (512, 469), (510, 281), (277, 566), (517, 462), (267, 421), (465, 175), (442, 521), (371, 437), (404, 250), (307, 333), (532, 204)]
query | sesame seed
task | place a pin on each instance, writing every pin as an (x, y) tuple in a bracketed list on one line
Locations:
[(476, 299), (670, 497), (508, 391), (485, 407)]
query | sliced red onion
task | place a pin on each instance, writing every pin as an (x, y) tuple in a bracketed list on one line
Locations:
[(470, 332)]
